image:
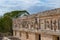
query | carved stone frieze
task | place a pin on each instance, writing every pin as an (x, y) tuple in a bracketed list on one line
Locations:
[(40, 21)]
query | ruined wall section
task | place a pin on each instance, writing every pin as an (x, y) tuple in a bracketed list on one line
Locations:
[(47, 20)]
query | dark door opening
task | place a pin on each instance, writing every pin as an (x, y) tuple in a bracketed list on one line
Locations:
[(39, 37), (57, 38)]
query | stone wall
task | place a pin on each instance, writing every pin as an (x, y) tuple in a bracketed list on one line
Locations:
[(47, 22)]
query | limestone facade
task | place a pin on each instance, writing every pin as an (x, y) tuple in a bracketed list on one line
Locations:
[(41, 26)]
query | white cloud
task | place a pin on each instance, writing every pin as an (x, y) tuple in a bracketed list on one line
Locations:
[(8, 5), (53, 3), (22, 3), (5, 5)]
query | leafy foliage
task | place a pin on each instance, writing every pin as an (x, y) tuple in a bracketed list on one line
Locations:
[(6, 20), (15, 14)]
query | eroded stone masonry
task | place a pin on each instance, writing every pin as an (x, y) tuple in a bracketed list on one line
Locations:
[(41, 26)]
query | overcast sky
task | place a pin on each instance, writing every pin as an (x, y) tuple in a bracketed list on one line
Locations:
[(32, 6)]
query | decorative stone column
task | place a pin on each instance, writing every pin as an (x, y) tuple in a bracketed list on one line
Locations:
[(13, 33)]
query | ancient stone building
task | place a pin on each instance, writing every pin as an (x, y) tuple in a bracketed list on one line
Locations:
[(41, 26)]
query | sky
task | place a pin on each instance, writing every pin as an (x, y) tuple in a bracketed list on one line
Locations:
[(32, 6)]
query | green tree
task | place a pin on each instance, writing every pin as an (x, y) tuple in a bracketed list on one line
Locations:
[(15, 14), (6, 20)]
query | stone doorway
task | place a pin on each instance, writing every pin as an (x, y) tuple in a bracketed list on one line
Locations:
[(39, 37), (58, 38)]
